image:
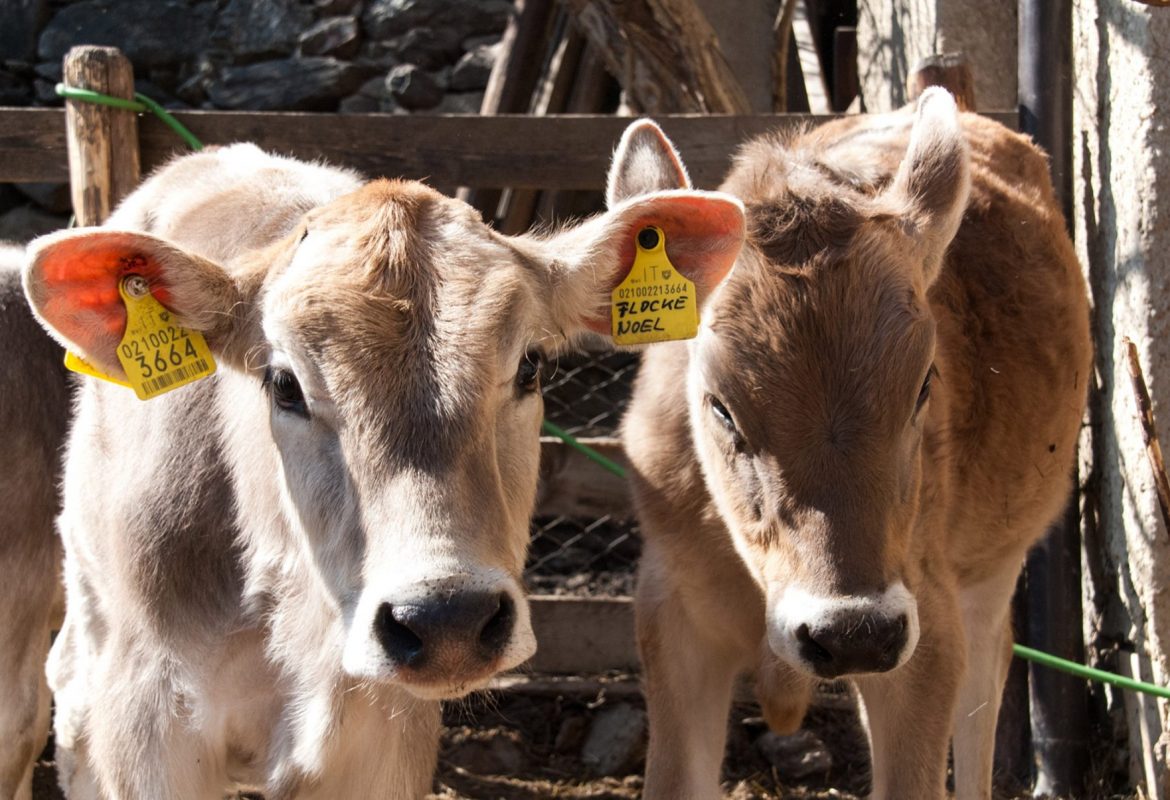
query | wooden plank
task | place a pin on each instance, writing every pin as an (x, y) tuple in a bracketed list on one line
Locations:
[(810, 61), (561, 152), (573, 485), (32, 146), (583, 634), (664, 53), (512, 81)]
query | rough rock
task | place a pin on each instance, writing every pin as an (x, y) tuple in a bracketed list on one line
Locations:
[(386, 18), (52, 197), (337, 36), (413, 88), (24, 223), (460, 103), (571, 734), (616, 741), (796, 756), (358, 104), (296, 84), (14, 88), (18, 34), (330, 8), (473, 69), (252, 30), (149, 32), (498, 754), (429, 48)]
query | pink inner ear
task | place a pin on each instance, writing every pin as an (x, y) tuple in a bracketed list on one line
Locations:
[(703, 237), (80, 280)]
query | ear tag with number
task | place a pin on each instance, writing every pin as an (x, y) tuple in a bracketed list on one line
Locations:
[(157, 353), (655, 302)]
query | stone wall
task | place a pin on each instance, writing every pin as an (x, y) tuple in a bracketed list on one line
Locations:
[(1121, 147), (352, 56)]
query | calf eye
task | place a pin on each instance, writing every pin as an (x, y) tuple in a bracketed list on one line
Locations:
[(722, 414), (924, 392), (528, 374), (286, 391)]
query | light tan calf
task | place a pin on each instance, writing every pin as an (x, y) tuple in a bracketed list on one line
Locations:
[(841, 475), (274, 574), (34, 411)]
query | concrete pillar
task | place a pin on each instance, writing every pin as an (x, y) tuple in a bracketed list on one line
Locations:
[(1121, 152), (894, 35)]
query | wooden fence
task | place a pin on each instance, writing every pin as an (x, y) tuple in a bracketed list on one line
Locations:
[(571, 152)]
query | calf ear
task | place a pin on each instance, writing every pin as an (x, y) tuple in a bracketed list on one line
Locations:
[(645, 161), (934, 180), (72, 278), (704, 232)]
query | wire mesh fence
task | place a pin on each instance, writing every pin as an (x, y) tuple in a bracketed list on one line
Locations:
[(586, 394)]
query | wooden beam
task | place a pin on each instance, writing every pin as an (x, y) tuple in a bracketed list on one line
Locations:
[(513, 79), (810, 61), (559, 152), (583, 634), (781, 35), (573, 485), (664, 53), (32, 146), (449, 150), (102, 142)]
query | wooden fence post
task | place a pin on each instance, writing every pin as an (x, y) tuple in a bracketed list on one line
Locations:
[(102, 141)]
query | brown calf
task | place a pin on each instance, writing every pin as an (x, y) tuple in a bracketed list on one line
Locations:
[(841, 475)]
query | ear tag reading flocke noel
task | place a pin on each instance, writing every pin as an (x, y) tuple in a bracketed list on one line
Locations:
[(655, 302), (157, 353)]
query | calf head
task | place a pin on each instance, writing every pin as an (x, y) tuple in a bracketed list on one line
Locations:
[(809, 391), (393, 343)]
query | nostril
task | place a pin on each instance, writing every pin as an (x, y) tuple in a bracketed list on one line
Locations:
[(810, 648), (498, 629), (401, 644)]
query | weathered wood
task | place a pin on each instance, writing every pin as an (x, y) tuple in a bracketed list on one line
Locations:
[(810, 61), (948, 70), (573, 485), (562, 152), (102, 142), (32, 146), (846, 83), (550, 98), (512, 81), (782, 36), (1145, 409), (583, 634), (664, 53)]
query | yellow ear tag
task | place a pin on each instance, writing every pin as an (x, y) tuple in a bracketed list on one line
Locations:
[(655, 302), (157, 353), (78, 364)]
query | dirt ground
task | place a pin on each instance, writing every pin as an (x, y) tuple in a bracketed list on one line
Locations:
[(566, 739)]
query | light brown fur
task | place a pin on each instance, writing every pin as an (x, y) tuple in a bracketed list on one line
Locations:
[(837, 488), (248, 574)]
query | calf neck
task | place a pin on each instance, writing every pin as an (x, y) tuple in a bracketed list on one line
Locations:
[(274, 574), (841, 475)]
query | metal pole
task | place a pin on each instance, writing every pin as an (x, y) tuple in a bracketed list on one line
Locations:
[(1059, 702)]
